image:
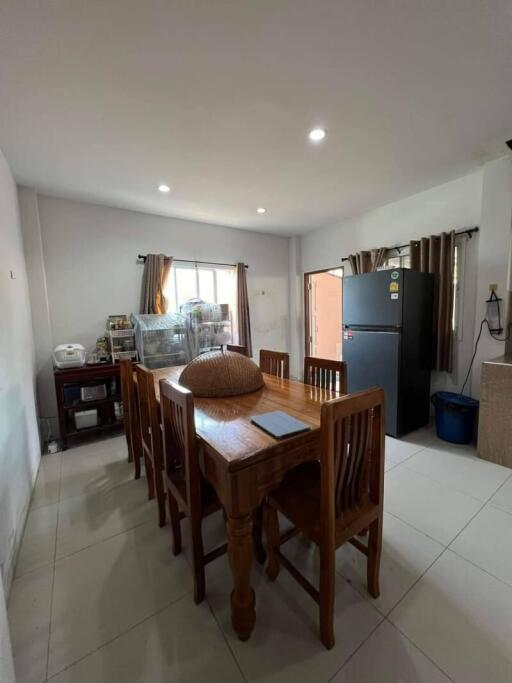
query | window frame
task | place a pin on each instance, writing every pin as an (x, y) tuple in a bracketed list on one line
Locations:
[(169, 290), (458, 295)]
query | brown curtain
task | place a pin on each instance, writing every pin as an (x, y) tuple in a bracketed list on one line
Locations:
[(156, 272), (436, 254), (367, 261), (244, 320)]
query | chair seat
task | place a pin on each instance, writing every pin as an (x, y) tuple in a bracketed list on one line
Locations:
[(209, 500), (298, 499)]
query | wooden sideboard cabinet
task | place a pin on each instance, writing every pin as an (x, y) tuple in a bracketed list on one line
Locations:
[(495, 418), (68, 384)]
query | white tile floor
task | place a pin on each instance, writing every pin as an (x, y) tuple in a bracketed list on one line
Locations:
[(98, 596)]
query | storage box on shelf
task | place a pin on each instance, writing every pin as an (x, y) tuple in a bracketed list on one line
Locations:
[(210, 325), (161, 340), (122, 337), (75, 384), (122, 344)]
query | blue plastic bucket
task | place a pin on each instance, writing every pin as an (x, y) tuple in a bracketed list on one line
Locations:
[(455, 416)]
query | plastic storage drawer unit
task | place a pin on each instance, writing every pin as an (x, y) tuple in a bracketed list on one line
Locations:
[(86, 418)]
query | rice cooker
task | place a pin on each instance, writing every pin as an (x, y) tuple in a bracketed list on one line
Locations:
[(69, 356)]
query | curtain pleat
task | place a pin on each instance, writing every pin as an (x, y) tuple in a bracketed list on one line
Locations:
[(154, 278), (436, 254), (367, 261), (244, 319)]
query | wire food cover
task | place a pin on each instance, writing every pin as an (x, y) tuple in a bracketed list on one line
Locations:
[(221, 373)]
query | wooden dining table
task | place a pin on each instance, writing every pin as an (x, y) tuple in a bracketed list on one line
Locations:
[(244, 463)]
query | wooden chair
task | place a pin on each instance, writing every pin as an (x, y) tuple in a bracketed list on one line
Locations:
[(237, 349), (130, 414), (332, 501), (327, 374), (188, 492), (151, 438), (275, 363)]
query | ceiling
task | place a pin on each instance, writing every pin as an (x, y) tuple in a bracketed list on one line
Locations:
[(105, 99)]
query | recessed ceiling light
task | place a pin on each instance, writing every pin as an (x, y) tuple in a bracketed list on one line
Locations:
[(261, 209), (164, 188), (317, 134)]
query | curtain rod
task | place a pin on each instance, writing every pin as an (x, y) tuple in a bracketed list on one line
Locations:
[(142, 259), (468, 232)]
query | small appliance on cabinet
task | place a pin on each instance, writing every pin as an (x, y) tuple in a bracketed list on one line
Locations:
[(387, 341), (69, 356)]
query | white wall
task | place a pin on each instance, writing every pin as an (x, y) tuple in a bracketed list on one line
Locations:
[(90, 254), (493, 254), (19, 440), (6, 662), (453, 205), (34, 258)]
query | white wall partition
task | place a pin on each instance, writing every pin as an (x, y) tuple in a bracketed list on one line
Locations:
[(19, 439)]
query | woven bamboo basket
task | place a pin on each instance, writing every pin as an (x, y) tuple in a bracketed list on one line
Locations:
[(221, 373)]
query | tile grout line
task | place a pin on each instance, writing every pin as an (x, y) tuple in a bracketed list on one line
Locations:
[(101, 540), (53, 572), (477, 566), (224, 636), (449, 486), (432, 661), (329, 680), (420, 450), (74, 552), (436, 540), (446, 548), (119, 635), (97, 493)]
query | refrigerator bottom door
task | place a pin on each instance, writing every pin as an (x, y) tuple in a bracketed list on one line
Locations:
[(373, 359)]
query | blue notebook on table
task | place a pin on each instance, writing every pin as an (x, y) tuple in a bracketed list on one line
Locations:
[(279, 424)]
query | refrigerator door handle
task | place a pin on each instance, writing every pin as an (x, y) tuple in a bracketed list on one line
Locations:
[(374, 328)]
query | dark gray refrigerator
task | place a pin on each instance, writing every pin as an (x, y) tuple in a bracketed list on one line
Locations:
[(387, 341)]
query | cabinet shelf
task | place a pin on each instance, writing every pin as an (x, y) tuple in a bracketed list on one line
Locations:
[(77, 405), (80, 377), (96, 428)]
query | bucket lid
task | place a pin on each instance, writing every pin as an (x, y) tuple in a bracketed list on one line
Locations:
[(457, 399)]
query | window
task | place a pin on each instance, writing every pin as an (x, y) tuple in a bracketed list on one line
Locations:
[(458, 293), (402, 260), (213, 284)]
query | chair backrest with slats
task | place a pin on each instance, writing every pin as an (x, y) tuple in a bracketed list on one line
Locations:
[(237, 349), (326, 374), (352, 451), (127, 394), (275, 363), (179, 435), (143, 375)]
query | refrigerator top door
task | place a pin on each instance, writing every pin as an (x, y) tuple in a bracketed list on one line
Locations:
[(374, 299)]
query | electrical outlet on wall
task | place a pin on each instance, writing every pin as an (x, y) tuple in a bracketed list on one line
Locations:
[(493, 288)]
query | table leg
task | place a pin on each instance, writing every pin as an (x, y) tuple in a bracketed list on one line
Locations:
[(240, 549)]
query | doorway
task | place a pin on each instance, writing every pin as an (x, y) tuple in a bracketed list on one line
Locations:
[(323, 297)]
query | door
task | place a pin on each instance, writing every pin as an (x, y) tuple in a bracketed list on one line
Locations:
[(323, 313), (374, 299), (373, 359)]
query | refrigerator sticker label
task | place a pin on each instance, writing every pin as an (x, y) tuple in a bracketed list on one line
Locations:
[(395, 295), (394, 286), (347, 335), (395, 275)]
